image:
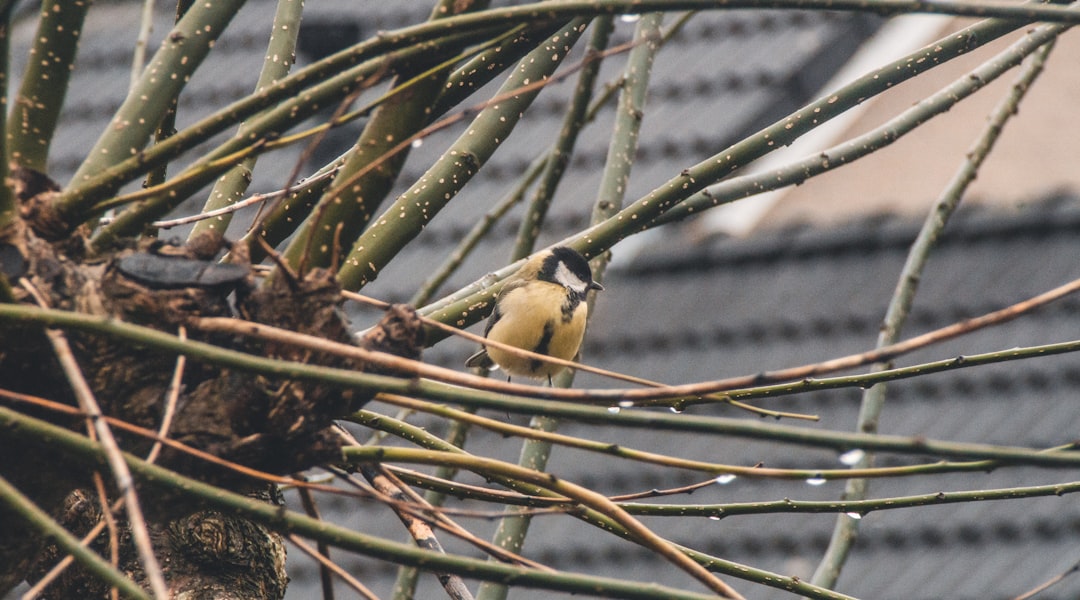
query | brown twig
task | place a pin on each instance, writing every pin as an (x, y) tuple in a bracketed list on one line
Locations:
[(494, 494), (97, 423), (175, 445), (418, 528), (110, 523), (1042, 587), (172, 396), (884, 353), (440, 518), (655, 493), (307, 499), (570, 363), (329, 564)]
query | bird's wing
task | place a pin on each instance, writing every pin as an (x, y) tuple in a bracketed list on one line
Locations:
[(481, 358), (496, 314)]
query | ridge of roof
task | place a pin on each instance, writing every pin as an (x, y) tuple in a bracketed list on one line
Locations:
[(1055, 213)]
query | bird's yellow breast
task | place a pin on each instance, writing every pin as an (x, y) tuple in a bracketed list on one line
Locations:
[(532, 317)]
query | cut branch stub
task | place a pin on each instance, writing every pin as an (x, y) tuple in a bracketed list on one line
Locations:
[(36, 194)]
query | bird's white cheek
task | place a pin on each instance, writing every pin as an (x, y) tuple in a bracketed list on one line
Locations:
[(567, 278)]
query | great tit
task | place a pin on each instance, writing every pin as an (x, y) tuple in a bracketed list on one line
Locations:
[(541, 308)]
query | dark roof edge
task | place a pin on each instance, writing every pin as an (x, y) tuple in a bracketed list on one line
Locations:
[(1054, 214)]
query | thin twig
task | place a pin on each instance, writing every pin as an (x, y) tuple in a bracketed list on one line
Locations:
[(420, 516), (1048, 583), (40, 520), (421, 532), (146, 25), (58, 569), (307, 499), (331, 565), (436, 516), (254, 199), (655, 493), (124, 483), (464, 489), (172, 396), (577, 366), (110, 523), (852, 507)]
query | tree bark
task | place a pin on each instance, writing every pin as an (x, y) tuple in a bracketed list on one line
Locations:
[(273, 425)]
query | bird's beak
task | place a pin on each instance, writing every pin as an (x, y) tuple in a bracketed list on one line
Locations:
[(596, 286)]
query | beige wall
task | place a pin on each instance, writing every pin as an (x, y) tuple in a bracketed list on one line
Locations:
[(1037, 153)]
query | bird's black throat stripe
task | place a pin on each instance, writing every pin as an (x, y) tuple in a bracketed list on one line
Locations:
[(569, 306), (543, 345)]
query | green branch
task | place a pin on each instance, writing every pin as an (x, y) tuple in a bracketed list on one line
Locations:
[(471, 303), (846, 529), (166, 128), (358, 189), (45, 83), (170, 69), (334, 76), (280, 55), (619, 450), (837, 440), (857, 507), (9, 209), (36, 433), (851, 150), (411, 212)]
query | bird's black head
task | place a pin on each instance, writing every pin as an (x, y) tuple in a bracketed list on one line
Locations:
[(566, 267)]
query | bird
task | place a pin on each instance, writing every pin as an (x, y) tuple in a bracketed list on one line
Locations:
[(541, 308)]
